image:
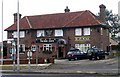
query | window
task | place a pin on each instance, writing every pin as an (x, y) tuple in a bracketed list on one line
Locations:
[(22, 34), (47, 47), (15, 35), (107, 32), (101, 31), (22, 48), (13, 50), (78, 31), (82, 47), (40, 33), (59, 32), (86, 31), (10, 50)]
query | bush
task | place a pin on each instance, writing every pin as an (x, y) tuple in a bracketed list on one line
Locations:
[(118, 47)]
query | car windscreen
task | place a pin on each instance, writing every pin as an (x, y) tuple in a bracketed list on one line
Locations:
[(69, 52)]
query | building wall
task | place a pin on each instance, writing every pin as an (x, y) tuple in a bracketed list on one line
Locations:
[(97, 37)]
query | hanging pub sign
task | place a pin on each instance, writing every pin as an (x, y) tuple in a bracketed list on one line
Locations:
[(33, 48)]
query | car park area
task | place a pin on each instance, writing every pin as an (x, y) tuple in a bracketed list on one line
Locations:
[(91, 54)]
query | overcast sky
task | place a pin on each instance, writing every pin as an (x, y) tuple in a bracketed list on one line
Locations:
[(39, 7)]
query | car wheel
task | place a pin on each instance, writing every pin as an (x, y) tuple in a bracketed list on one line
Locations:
[(97, 58), (90, 58), (102, 57), (69, 59)]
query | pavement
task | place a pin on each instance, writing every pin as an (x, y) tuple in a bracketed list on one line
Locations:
[(50, 68)]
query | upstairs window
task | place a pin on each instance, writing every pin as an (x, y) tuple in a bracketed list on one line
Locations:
[(22, 34), (15, 35), (101, 30), (59, 32), (86, 31), (78, 31), (40, 33)]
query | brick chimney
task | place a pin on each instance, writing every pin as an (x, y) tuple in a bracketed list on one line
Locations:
[(15, 17), (102, 12), (67, 9)]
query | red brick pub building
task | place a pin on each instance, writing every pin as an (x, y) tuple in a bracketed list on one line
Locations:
[(52, 35)]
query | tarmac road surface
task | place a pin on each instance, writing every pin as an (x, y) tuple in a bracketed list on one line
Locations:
[(53, 75)]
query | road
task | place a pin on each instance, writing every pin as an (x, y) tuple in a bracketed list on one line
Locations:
[(53, 75), (63, 68), (99, 66)]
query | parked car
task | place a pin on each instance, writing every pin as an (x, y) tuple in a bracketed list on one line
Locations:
[(76, 54), (96, 54)]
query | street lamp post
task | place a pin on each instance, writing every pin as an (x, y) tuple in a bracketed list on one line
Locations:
[(18, 61), (2, 37)]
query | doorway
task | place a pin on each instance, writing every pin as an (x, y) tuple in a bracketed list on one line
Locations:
[(60, 52), (4, 51)]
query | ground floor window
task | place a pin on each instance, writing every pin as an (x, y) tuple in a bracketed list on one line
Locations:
[(47, 47), (22, 48), (83, 47), (13, 49)]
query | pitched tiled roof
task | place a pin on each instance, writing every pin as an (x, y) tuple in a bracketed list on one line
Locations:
[(59, 20)]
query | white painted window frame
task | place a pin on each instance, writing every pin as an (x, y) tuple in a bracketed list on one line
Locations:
[(40, 33), (78, 31), (58, 32), (86, 31)]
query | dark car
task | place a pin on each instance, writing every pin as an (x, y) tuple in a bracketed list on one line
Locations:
[(96, 53), (76, 54)]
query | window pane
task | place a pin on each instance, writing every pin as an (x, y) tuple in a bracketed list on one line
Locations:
[(59, 32), (82, 47), (22, 48), (78, 31), (22, 34), (15, 34), (86, 31), (47, 47), (40, 33)]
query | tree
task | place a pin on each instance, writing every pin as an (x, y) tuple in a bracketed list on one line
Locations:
[(113, 20)]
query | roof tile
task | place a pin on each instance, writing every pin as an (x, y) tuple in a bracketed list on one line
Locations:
[(59, 20)]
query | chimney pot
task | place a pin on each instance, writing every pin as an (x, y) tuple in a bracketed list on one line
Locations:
[(102, 13), (67, 9), (15, 17), (102, 6)]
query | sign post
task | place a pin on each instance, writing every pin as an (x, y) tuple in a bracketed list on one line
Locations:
[(29, 54), (13, 54)]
